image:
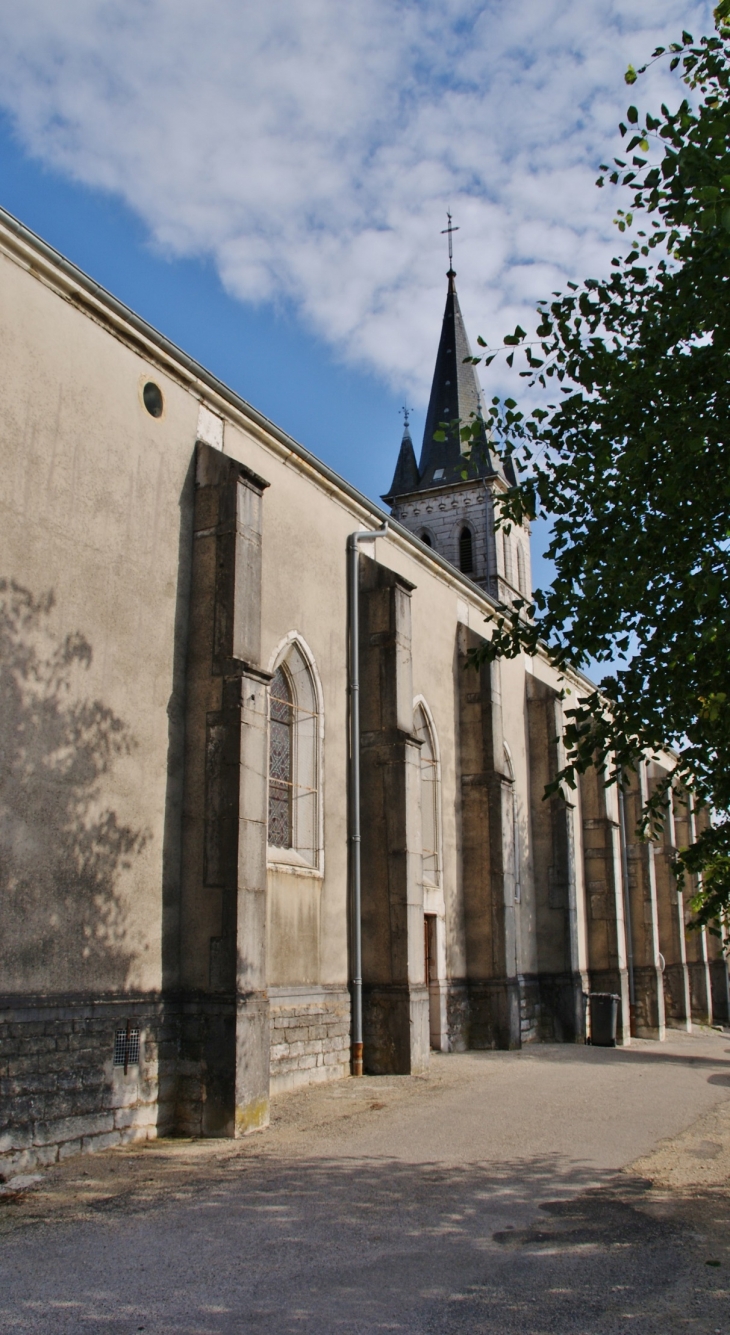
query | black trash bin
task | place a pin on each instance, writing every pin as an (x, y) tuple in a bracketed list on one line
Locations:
[(604, 1014)]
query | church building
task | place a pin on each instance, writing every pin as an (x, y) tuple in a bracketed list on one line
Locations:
[(448, 499), (260, 823)]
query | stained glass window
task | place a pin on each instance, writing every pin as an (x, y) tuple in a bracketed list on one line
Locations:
[(294, 835), (280, 761)]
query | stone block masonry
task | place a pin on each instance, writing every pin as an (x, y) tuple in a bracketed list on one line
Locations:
[(60, 1090), (442, 516), (310, 1036)]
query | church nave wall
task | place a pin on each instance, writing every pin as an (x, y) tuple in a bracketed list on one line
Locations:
[(174, 822)]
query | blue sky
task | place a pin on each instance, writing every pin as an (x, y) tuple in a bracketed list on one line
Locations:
[(267, 184), (346, 415)]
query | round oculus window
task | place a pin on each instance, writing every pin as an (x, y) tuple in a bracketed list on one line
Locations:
[(152, 399)]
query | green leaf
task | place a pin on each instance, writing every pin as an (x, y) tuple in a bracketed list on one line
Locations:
[(481, 341), (632, 466), (632, 115), (630, 76)]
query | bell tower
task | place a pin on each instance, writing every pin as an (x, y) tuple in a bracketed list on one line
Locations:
[(447, 499)]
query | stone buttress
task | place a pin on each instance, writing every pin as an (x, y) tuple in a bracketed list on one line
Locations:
[(224, 1069), (561, 980), (395, 994), (493, 986)]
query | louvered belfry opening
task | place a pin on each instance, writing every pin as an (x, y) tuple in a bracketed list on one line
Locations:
[(466, 552)]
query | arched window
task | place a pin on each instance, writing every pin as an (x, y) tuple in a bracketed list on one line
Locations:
[(294, 747), (430, 798), (466, 551), (507, 548), (426, 537), (281, 747), (521, 571)]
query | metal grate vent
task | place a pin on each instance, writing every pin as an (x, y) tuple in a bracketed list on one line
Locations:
[(126, 1047)]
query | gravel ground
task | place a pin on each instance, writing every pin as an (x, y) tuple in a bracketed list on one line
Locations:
[(559, 1189)]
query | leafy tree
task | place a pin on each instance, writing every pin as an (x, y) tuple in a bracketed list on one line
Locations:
[(632, 464)]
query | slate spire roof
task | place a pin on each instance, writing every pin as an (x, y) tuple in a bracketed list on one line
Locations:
[(455, 396), (405, 478)]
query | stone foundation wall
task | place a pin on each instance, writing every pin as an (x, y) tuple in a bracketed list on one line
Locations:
[(310, 1036), (457, 1014), (60, 1091), (205, 1064), (461, 1031), (720, 996), (562, 1009), (529, 1008)]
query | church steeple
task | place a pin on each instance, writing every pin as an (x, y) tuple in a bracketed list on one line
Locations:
[(405, 478), (450, 498), (456, 397)]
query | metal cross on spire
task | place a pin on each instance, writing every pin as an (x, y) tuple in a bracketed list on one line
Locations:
[(449, 231), (406, 416)]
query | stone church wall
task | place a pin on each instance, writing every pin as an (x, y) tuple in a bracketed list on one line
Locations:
[(62, 1092), (443, 519), (310, 1036), (153, 572)]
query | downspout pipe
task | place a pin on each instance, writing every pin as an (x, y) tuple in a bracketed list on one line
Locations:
[(627, 892), (353, 563)]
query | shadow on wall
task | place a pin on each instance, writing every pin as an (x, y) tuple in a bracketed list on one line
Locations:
[(61, 847)]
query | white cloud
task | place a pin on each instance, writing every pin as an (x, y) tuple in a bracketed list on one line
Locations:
[(311, 147)]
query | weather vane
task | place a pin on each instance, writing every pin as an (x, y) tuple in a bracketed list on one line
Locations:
[(449, 231), (406, 415)]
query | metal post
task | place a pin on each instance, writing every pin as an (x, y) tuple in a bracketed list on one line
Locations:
[(355, 882)]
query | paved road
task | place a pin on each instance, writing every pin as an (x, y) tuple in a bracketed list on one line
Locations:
[(486, 1197)]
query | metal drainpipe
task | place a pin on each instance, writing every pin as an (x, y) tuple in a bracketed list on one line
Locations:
[(627, 893), (353, 541)]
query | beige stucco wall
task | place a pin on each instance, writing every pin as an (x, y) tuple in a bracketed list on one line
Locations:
[(92, 500)]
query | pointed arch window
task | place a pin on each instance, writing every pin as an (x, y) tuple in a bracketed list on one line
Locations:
[(426, 537), (521, 571), (294, 759), (430, 798), (507, 548), (281, 730), (466, 551)]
